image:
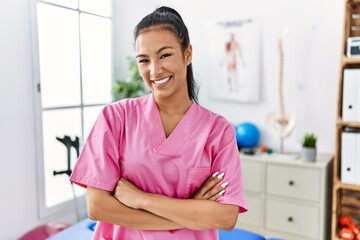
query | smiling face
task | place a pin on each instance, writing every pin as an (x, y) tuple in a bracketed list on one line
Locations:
[(162, 63)]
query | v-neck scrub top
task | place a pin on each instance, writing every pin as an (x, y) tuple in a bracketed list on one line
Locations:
[(128, 140)]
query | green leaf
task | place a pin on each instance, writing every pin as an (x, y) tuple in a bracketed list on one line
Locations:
[(133, 86), (309, 140)]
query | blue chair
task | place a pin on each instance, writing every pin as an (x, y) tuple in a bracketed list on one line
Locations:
[(241, 234)]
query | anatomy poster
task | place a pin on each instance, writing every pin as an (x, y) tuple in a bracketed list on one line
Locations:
[(235, 48)]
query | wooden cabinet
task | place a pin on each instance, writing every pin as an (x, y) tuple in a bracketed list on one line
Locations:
[(346, 197), (287, 198)]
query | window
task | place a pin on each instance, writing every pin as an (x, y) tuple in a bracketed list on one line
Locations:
[(73, 77)]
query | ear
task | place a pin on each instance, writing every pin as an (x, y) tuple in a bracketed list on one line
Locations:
[(188, 53)]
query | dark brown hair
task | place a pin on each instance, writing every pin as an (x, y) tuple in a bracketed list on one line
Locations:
[(169, 19)]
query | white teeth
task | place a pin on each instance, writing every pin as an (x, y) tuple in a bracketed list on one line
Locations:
[(162, 81)]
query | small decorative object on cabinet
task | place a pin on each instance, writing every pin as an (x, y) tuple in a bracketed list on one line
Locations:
[(247, 135), (287, 197), (281, 122), (308, 150), (346, 190)]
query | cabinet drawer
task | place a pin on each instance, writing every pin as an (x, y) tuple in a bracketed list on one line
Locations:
[(253, 215), (252, 175), (301, 183), (292, 218)]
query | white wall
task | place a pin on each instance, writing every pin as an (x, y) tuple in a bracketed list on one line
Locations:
[(18, 195), (18, 201), (313, 56)]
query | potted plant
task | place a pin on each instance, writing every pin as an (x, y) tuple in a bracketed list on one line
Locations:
[(308, 152), (133, 86)]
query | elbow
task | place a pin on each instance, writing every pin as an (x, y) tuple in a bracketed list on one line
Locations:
[(226, 219), (93, 211), (96, 200), (229, 224), (226, 224), (92, 215)]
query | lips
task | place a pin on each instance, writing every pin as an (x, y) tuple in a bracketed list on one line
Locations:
[(161, 81)]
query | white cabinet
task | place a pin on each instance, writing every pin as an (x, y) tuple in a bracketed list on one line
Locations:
[(287, 198)]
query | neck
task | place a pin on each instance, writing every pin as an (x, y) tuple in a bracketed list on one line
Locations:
[(173, 106)]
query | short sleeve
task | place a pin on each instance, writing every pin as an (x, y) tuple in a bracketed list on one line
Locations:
[(98, 163), (227, 160)]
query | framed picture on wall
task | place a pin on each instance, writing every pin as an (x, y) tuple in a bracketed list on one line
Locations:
[(235, 48)]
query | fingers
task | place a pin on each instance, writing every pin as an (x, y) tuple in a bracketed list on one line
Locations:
[(117, 190), (217, 192), (118, 186), (210, 189), (211, 182), (217, 196)]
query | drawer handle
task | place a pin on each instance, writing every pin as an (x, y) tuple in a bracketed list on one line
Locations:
[(291, 183), (290, 219)]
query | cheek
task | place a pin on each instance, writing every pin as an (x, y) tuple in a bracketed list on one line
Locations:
[(145, 77), (142, 73)]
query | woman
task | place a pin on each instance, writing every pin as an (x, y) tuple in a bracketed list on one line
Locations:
[(161, 162)]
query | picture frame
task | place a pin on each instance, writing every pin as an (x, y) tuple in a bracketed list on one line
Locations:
[(235, 49)]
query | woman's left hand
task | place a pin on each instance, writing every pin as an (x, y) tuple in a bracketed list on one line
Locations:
[(208, 190), (128, 194)]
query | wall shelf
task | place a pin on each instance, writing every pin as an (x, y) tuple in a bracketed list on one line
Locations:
[(346, 197), (345, 186), (348, 61), (348, 124)]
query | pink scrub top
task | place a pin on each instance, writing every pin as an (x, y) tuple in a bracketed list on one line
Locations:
[(128, 140)]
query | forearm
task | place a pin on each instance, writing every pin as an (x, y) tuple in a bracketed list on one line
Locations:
[(190, 213), (102, 206)]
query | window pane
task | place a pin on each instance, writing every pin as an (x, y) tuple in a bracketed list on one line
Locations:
[(59, 56), (96, 59), (90, 116), (58, 123), (100, 7), (65, 3)]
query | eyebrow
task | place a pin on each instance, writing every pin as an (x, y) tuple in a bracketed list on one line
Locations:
[(157, 52)]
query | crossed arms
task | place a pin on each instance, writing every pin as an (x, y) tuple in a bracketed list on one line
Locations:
[(131, 207)]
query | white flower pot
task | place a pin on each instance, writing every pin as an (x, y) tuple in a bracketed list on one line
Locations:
[(308, 154)]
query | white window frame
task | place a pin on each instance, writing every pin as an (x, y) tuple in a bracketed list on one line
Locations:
[(66, 207)]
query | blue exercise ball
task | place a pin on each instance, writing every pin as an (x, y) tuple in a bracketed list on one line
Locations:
[(247, 135)]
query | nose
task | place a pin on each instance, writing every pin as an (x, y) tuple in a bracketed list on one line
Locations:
[(155, 69)]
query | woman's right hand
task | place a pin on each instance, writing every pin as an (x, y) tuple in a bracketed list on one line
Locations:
[(208, 191)]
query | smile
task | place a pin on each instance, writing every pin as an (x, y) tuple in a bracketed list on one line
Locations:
[(162, 81)]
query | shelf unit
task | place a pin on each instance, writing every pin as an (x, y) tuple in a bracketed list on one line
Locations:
[(345, 196)]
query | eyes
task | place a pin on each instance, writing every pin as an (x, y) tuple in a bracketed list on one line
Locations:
[(165, 55), (146, 60)]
